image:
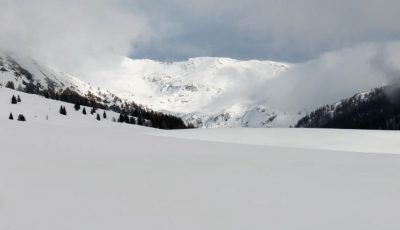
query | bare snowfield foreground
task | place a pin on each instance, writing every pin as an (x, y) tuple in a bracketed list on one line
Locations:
[(59, 175)]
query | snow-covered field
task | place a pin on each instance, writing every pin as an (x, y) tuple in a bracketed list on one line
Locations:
[(74, 172)]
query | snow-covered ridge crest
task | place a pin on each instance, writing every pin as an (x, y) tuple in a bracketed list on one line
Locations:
[(25, 72), (207, 91)]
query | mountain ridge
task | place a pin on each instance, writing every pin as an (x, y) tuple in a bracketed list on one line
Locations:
[(377, 109), (27, 75), (198, 90)]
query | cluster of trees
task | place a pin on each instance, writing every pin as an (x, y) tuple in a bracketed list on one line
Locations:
[(63, 111), (10, 85), (123, 118), (77, 107), (15, 100), (151, 118), (379, 109), (20, 117)]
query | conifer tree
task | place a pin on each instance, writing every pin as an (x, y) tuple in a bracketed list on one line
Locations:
[(98, 117), (84, 110), (19, 99), (21, 117), (14, 100), (77, 106), (11, 117), (63, 111), (104, 115)]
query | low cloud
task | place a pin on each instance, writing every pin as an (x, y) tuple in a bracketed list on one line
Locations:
[(76, 36), (334, 76)]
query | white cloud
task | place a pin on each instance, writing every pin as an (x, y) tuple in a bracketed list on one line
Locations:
[(75, 35), (335, 75)]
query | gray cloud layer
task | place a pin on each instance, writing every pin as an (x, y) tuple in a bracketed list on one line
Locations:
[(291, 30)]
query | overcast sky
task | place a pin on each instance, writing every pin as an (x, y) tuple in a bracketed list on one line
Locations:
[(288, 30), (341, 45)]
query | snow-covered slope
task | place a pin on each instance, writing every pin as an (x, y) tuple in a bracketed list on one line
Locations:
[(27, 75), (120, 177), (25, 72), (38, 109), (204, 91)]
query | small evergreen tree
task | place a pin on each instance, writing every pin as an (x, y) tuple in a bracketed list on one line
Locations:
[(77, 106), (63, 111), (19, 99), (14, 100), (84, 110), (93, 110), (21, 117), (104, 115), (98, 117), (114, 120), (11, 117)]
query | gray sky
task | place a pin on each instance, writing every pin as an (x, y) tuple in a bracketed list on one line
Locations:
[(286, 30), (289, 30)]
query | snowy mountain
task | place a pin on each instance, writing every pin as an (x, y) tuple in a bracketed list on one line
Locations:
[(375, 109), (27, 75), (204, 91)]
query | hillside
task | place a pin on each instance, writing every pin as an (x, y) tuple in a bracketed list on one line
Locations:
[(26, 75), (376, 109)]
